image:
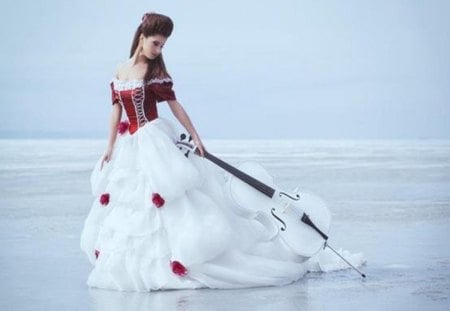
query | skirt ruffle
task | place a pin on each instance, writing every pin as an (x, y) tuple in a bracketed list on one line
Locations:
[(188, 238)]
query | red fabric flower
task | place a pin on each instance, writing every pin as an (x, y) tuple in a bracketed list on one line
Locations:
[(97, 252), (178, 268), (104, 199), (157, 200), (123, 127)]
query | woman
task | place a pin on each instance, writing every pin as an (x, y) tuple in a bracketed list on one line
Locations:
[(162, 220)]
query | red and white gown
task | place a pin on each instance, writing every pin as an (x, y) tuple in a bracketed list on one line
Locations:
[(161, 220)]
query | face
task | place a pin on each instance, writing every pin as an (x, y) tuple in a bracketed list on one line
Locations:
[(152, 45)]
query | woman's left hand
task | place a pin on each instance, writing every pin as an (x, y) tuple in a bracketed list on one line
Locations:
[(199, 144)]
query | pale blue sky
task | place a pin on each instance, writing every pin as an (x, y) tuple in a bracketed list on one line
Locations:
[(241, 69)]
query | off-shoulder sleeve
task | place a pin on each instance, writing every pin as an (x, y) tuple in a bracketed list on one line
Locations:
[(114, 95), (164, 91)]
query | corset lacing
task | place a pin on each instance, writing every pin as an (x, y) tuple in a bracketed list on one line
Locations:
[(138, 96)]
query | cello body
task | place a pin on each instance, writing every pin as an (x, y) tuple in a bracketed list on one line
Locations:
[(301, 219), (282, 213)]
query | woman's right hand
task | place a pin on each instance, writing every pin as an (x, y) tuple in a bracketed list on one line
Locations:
[(106, 157)]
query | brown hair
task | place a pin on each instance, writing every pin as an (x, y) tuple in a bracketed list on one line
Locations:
[(153, 24)]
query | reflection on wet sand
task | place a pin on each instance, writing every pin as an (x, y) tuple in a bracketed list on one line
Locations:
[(286, 298)]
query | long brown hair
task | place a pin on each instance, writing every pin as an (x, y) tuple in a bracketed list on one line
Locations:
[(153, 24)]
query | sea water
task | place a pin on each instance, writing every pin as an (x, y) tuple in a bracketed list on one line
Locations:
[(389, 200)]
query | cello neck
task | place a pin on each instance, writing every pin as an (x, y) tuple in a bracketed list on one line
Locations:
[(261, 187)]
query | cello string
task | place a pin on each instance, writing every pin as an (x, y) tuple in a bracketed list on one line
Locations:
[(243, 176), (263, 188)]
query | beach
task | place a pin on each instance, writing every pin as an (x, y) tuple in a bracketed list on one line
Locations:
[(389, 199)]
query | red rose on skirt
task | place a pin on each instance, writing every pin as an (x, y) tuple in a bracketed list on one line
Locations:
[(157, 200), (178, 268), (123, 127), (104, 199), (97, 253)]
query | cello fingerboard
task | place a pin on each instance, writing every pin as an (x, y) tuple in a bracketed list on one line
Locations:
[(261, 187)]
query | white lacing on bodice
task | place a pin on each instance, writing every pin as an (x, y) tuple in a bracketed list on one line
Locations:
[(122, 85), (136, 86), (138, 96)]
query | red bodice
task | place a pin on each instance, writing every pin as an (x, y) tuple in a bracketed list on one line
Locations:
[(139, 99)]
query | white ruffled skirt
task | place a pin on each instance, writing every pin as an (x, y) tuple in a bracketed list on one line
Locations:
[(193, 240)]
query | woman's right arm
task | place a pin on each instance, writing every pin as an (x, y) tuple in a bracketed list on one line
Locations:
[(116, 115)]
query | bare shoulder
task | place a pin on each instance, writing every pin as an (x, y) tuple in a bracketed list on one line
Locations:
[(121, 68)]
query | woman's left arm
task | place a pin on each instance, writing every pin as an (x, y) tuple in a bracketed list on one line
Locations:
[(179, 112)]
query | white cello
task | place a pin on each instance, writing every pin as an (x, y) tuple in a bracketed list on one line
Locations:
[(302, 219)]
